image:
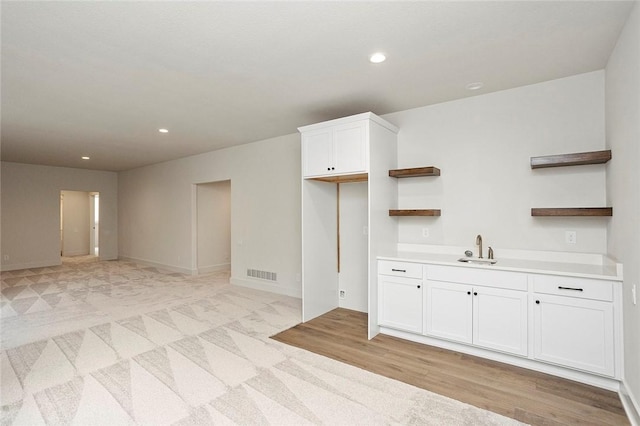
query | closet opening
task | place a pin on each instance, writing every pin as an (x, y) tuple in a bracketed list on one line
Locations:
[(212, 246)]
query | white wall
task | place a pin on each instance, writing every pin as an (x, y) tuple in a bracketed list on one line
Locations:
[(31, 212), (214, 226), (354, 205), (158, 211), (623, 182), (483, 146), (75, 223)]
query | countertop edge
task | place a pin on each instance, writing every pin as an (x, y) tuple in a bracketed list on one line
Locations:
[(564, 269)]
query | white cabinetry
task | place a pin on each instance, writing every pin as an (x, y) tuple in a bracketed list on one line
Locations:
[(560, 324), (448, 311), (400, 301), (574, 323), (345, 163), (492, 318), (337, 150), (500, 320)]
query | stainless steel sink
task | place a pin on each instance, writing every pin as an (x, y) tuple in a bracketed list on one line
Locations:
[(477, 261)]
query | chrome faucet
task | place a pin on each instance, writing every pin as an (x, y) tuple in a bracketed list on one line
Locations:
[(490, 253), (479, 242)]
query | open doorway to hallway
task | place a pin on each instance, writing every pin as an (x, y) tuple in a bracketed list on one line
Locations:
[(94, 223), (213, 226), (79, 223)]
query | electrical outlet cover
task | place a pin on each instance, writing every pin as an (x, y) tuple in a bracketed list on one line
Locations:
[(570, 237)]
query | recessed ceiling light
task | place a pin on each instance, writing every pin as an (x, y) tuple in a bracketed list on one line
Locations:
[(475, 86), (86, 158), (376, 58), (163, 130)]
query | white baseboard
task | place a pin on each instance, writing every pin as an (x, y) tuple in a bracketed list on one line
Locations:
[(214, 268), (630, 404), (29, 265), (267, 286), (107, 257), (171, 268)]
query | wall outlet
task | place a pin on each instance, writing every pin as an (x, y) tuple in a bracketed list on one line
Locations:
[(342, 294), (570, 237), (5, 257), (425, 232)]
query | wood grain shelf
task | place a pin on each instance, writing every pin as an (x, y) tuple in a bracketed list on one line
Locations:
[(577, 159), (415, 212), (360, 177), (415, 172), (573, 211)]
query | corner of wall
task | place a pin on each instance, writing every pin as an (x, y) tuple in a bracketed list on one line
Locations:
[(630, 404)]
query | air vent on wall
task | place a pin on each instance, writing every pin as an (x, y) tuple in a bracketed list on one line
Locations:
[(263, 275)]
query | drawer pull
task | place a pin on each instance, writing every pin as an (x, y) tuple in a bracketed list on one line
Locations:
[(398, 270), (569, 288)]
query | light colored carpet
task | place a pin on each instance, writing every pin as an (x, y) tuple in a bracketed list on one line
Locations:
[(115, 343)]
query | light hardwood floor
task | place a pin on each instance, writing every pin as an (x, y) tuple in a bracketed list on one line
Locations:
[(525, 395)]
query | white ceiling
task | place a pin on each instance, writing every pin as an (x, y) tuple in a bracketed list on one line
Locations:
[(100, 78)]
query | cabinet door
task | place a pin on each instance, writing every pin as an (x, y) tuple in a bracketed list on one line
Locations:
[(317, 153), (573, 332), (350, 148), (448, 311), (500, 319), (400, 303)]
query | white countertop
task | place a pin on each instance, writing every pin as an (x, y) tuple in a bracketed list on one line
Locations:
[(607, 270)]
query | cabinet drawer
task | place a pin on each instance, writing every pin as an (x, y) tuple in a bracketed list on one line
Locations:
[(582, 288), (400, 269), (476, 276)]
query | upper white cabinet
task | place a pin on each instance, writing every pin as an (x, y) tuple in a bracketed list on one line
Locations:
[(317, 153), (343, 146), (335, 149)]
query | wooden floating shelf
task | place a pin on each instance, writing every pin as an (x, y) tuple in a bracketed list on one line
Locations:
[(361, 177), (415, 172), (577, 159), (422, 212), (573, 211)]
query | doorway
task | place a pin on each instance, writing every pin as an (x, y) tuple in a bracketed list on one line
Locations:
[(79, 223), (94, 223), (213, 227)]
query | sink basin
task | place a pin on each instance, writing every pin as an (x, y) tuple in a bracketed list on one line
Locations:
[(477, 261)]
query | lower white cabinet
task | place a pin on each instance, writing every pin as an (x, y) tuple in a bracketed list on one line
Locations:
[(574, 332), (500, 320), (448, 312), (491, 318), (400, 303), (553, 321)]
